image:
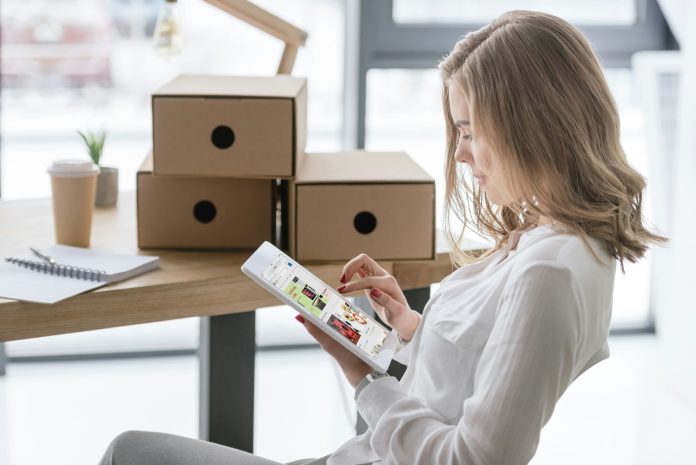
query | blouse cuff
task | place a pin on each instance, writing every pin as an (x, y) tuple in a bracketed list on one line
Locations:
[(402, 353), (376, 397)]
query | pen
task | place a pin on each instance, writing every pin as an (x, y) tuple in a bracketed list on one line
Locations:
[(42, 256)]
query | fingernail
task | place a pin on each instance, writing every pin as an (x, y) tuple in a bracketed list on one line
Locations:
[(343, 278), (342, 288), (375, 292), (299, 318)]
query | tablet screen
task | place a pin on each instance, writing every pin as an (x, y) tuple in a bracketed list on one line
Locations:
[(305, 289)]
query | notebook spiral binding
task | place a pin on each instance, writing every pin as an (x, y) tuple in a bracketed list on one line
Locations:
[(60, 270)]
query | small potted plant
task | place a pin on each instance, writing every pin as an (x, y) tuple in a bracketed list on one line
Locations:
[(107, 181)]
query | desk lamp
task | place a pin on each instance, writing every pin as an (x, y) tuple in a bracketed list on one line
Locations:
[(168, 30)]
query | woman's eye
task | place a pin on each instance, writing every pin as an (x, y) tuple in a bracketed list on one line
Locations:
[(466, 137)]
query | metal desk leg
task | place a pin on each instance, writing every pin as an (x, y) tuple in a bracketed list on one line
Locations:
[(417, 298), (3, 358), (227, 354)]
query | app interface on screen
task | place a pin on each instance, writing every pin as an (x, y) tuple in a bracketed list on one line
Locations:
[(323, 302)]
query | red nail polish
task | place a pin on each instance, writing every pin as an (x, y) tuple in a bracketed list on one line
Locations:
[(300, 318), (375, 292), (340, 289), (343, 278)]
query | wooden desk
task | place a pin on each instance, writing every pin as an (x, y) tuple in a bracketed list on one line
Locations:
[(207, 284)]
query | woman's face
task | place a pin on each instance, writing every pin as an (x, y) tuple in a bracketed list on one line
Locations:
[(473, 150)]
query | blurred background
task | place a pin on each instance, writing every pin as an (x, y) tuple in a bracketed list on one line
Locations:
[(371, 68)]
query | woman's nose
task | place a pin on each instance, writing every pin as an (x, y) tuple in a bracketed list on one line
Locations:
[(463, 154)]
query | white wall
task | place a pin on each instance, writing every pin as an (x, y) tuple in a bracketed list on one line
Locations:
[(676, 308)]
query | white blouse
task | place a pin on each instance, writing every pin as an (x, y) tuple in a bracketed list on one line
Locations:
[(498, 344)]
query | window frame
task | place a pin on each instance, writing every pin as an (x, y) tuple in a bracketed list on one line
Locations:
[(374, 40)]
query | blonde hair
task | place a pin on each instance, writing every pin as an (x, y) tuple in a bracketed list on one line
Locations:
[(536, 91)]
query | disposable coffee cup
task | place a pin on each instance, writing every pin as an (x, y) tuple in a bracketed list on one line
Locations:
[(74, 184)]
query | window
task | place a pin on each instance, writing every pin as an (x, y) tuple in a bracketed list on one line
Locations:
[(90, 64), (404, 113), (587, 12), (401, 42)]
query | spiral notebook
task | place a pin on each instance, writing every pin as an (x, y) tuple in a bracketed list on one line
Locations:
[(76, 270)]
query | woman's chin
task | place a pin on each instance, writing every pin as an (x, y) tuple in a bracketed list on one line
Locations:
[(493, 198)]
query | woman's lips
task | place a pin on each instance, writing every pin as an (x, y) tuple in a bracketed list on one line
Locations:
[(480, 179)]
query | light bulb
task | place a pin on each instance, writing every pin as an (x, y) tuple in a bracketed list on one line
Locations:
[(168, 37)]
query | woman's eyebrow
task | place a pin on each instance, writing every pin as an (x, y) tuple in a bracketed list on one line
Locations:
[(461, 122)]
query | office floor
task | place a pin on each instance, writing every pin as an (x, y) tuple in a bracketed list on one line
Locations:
[(623, 411)]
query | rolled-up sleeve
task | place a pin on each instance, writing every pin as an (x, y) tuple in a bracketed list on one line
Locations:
[(525, 366)]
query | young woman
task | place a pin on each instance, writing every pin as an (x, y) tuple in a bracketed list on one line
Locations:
[(534, 163)]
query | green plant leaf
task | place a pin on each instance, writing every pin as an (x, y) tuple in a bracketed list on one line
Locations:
[(94, 141)]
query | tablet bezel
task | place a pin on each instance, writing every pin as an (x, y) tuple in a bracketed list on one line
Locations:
[(263, 257)]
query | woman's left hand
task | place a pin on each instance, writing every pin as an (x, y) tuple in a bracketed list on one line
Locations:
[(354, 368)]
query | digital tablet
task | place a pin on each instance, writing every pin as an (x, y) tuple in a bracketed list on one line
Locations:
[(294, 285)]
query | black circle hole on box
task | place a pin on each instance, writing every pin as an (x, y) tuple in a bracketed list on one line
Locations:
[(365, 222), (204, 211), (222, 137)]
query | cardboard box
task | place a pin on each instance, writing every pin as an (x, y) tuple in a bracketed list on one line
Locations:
[(247, 127), (203, 213), (378, 203)]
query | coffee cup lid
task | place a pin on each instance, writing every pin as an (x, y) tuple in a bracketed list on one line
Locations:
[(73, 168)]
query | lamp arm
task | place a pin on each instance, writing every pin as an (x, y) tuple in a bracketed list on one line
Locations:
[(292, 36)]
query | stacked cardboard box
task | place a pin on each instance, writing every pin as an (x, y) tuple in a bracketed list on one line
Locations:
[(228, 155), (219, 144), (378, 203), (242, 127), (180, 211)]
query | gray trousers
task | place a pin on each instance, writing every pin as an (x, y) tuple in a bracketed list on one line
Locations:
[(146, 448)]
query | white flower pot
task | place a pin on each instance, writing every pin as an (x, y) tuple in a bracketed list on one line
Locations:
[(107, 187)]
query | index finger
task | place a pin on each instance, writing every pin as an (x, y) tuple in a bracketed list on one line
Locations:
[(364, 263)]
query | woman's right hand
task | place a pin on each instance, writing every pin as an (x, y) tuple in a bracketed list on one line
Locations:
[(383, 292)]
